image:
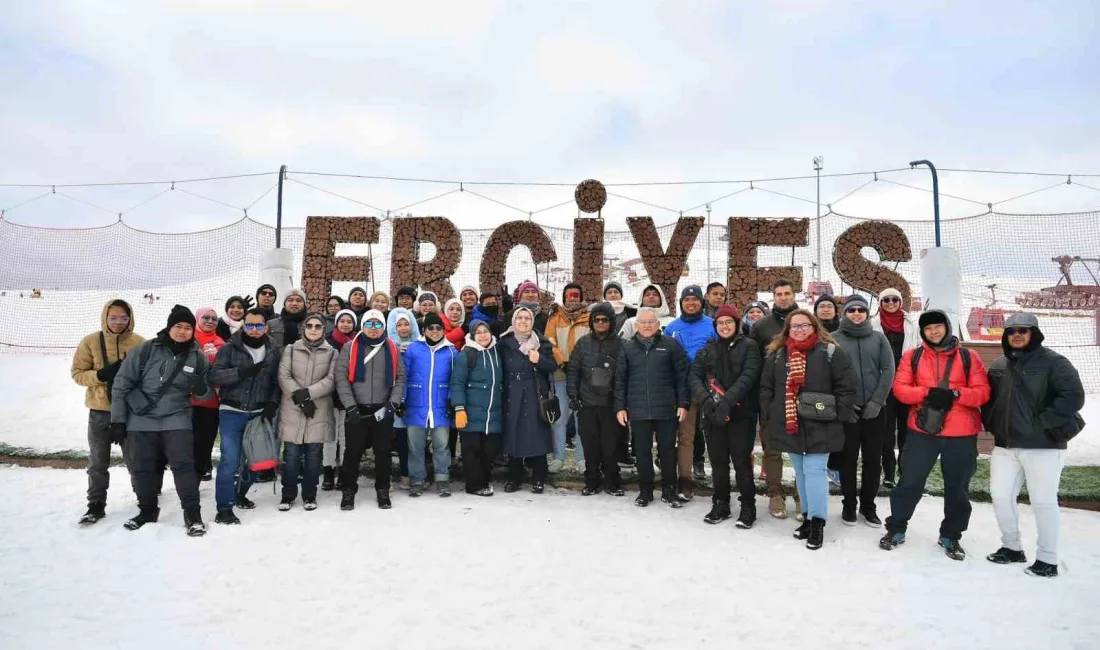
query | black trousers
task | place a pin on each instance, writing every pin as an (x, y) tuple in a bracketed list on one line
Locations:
[(478, 452), (147, 451), (732, 441), (99, 456), (204, 427), (665, 432), (539, 469), (897, 429), (599, 432), (958, 460), (862, 436), (700, 446), (368, 432)]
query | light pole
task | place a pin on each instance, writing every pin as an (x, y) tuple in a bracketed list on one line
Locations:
[(708, 243), (935, 194), (819, 163)]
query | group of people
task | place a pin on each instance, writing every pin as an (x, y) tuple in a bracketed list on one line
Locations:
[(509, 374)]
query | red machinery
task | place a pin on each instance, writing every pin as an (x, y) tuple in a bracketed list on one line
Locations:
[(1066, 294)]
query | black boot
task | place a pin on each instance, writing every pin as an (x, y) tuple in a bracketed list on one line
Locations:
[(192, 521), (719, 511), (145, 516), (227, 518), (645, 497), (848, 515), (383, 497), (1006, 555), (671, 498), (1042, 570), (348, 500), (747, 517), (817, 534), (328, 477), (803, 531), (96, 511)]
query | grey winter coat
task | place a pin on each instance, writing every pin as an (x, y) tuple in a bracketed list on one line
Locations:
[(304, 367), (525, 434), (651, 378), (872, 359), (245, 393), (376, 389), (173, 410)]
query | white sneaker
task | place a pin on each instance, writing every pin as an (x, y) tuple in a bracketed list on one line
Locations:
[(556, 466)]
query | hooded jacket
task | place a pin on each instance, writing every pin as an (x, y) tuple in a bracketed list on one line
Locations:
[(872, 360), (734, 365), (479, 390), (428, 383), (964, 418), (693, 335), (768, 327), (663, 314), (592, 363), (315, 369), (89, 356), (564, 332), (377, 388), (456, 334), (172, 411), (1034, 394), (391, 328)]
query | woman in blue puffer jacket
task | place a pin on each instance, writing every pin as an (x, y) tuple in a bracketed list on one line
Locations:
[(478, 399), (427, 402)]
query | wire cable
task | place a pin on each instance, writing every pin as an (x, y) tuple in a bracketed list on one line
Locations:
[(339, 196), (652, 205), (921, 189), (125, 183)]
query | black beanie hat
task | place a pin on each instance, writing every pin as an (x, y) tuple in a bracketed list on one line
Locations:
[(933, 317), (825, 298), (431, 318), (356, 290), (612, 284), (233, 299), (180, 314), (405, 291), (267, 286)]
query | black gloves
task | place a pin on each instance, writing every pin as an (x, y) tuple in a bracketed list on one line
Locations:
[(269, 411), (575, 404), (198, 385), (352, 416), (715, 408), (107, 373), (309, 409), (398, 409), (940, 399), (253, 370), (871, 410), (118, 433), (300, 396), (249, 302)]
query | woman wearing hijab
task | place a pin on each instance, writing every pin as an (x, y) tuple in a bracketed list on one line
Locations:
[(477, 381), (807, 393), (454, 315), (333, 452), (426, 303), (233, 319), (528, 362), (332, 307), (529, 296), (307, 421), (204, 414), (403, 330)]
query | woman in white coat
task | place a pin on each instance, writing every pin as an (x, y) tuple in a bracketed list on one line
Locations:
[(901, 330)]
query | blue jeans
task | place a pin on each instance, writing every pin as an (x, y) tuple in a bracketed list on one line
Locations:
[(401, 444), (562, 423), (293, 457), (813, 483), (226, 484), (441, 454)]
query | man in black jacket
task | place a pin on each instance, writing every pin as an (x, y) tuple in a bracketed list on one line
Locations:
[(265, 300), (1032, 413), (762, 333), (590, 379), (651, 393), (725, 378)]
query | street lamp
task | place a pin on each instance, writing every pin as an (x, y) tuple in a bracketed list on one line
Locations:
[(819, 164), (935, 193)]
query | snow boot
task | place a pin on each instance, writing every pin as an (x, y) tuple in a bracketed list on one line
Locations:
[(719, 512), (244, 503), (803, 530), (483, 492), (747, 517), (328, 478), (192, 521), (309, 505), (890, 541), (848, 515), (347, 502), (871, 519), (511, 486), (144, 516), (286, 504), (1042, 570), (383, 497), (206, 476), (698, 470), (777, 506), (538, 487), (952, 549), (643, 499), (96, 511), (615, 491), (817, 534), (590, 490), (686, 491), (1006, 555), (416, 489), (443, 488), (672, 499), (227, 517)]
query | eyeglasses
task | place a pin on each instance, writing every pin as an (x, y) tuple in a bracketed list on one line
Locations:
[(890, 299), (803, 327), (312, 326), (373, 325), (433, 328), (255, 327), (206, 319), (1017, 331), (267, 293), (856, 310), (118, 319)]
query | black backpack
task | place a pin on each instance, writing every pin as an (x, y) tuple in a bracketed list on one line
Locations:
[(962, 352)]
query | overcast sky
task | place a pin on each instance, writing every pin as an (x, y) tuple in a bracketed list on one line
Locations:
[(541, 91)]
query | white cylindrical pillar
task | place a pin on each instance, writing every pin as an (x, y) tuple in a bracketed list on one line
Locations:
[(277, 269), (941, 284)]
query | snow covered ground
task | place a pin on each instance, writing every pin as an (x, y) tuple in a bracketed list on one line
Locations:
[(42, 408), (522, 570)]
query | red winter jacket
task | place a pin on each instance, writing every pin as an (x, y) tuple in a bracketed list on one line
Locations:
[(456, 334), (209, 343), (964, 418)]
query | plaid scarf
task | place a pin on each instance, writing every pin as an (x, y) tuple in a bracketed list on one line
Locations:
[(796, 378)]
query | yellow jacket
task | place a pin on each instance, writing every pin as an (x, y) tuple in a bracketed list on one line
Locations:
[(89, 356), (563, 334)]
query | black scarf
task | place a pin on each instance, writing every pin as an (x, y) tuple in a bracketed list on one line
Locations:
[(254, 343), (175, 347), (292, 325)]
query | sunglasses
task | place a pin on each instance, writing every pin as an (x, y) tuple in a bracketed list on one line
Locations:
[(805, 327), (255, 327), (313, 326), (601, 319), (890, 300), (266, 293), (856, 310), (209, 319), (433, 328), (373, 325), (1017, 331)]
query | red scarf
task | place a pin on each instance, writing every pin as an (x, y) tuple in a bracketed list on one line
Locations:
[(796, 378), (340, 338), (894, 322)]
